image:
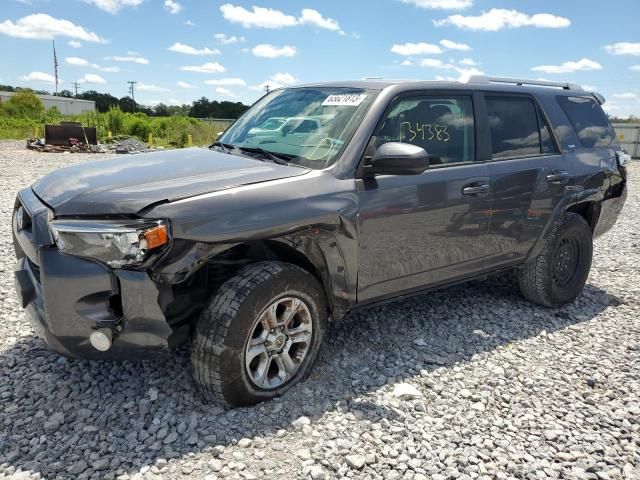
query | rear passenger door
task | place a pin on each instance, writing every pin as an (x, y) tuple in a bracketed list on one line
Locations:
[(528, 176)]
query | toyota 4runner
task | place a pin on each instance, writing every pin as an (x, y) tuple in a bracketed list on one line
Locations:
[(321, 199)]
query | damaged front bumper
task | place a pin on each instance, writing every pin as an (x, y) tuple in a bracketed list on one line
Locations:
[(67, 298)]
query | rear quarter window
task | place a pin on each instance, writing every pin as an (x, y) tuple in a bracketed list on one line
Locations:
[(588, 120)]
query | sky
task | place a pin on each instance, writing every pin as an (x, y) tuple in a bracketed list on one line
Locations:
[(181, 50)]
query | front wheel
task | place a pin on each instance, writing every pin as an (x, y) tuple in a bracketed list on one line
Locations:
[(260, 334), (558, 274)]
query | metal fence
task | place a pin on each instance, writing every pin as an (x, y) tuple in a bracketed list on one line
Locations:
[(629, 137)]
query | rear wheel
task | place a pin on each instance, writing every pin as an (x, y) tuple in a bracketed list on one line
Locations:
[(558, 274), (260, 334)]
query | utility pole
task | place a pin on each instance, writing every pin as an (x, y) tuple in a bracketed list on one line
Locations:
[(76, 85), (131, 90), (267, 88), (55, 65)]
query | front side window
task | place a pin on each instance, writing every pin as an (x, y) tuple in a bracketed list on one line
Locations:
[(588, 120), (442, 125), (517, 128), (308, 126)]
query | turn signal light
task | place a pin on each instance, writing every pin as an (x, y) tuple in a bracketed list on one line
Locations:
[(156, 237)]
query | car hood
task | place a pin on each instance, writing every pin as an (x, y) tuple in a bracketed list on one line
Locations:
[(126, 185)]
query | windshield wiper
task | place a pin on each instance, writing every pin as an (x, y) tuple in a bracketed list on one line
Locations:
[(279, 158), (227, 146)]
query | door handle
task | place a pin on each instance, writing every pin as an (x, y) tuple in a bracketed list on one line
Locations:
[(475, 189), (559, 176)]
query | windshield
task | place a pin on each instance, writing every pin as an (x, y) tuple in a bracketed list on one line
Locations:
[(309, 126)]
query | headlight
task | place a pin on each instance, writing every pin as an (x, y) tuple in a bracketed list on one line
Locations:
[(116, 243)]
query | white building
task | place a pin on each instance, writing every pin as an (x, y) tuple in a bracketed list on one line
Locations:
[(67, 106)]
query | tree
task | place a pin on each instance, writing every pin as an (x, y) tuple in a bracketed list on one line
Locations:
[(66, 93), (104, 101), (24, 103)]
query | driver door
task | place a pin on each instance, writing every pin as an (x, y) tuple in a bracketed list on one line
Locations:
[(423, 230)]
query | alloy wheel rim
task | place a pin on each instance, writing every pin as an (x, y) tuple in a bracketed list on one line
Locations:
[(279, 343)]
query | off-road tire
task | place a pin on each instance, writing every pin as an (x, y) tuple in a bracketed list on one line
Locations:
[(220, 336), (538, 279)]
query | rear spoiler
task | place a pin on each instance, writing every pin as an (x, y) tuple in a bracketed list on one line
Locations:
[(599, 98)]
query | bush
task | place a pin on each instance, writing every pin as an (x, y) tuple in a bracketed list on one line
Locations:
[(24, 104), (139, 128), (115, 120)]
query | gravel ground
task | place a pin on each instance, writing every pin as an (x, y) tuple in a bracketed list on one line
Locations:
[(468, 382)]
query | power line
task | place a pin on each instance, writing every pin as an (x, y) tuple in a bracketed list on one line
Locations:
[(131, 90)]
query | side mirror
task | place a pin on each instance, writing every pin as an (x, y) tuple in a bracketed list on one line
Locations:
[(396, 158)]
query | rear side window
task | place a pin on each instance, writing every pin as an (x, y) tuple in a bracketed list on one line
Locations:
[(588, 120), (517, 128)]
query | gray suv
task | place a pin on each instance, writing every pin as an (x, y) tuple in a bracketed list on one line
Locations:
[(321, 199)]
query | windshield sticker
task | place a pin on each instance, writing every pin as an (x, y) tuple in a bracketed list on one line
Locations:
[(345, 100)]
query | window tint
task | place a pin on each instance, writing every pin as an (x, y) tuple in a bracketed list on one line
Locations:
[(588, 120), (514, 128), (547, 145), (443, 126)]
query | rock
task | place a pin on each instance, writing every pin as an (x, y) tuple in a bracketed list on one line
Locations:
[(300, 422), (244, 443), (317, 473), (405, 391), (355, 461), (152, 394), (101, 464)]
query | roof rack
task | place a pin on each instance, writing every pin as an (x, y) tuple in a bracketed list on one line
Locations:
[(523, 81)]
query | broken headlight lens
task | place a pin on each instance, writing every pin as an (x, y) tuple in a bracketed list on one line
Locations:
[(116, 243)]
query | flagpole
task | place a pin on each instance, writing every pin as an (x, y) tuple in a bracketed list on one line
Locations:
[(55, 64)]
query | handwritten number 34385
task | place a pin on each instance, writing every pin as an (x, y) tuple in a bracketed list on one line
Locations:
[(426, 131)]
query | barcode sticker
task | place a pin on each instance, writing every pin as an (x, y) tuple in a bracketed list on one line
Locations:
[(345, 100)]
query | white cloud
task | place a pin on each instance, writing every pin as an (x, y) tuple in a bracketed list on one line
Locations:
[(635, 68), (81, 62), (468, 61), (145, 87), (209, 67), (130, 59), (416, 49), (114, 6), (41, 26), (189, 50), (172, 7), (434, 63), (271, 51), (40, 77), (92, 78), (226, 82), (499, 18), (626, 95), (224, 39), (313, 17), (258, 17), (182, 84), (284, 78), (189, 23), (441, 4), (225, 92), (74, 44), (569, 67), (407, 63), (261, 17), (464, 73), (623, 48), (77, 61), (450, 45)]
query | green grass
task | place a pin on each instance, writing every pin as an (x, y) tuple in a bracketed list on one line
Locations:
[(166, 131)]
